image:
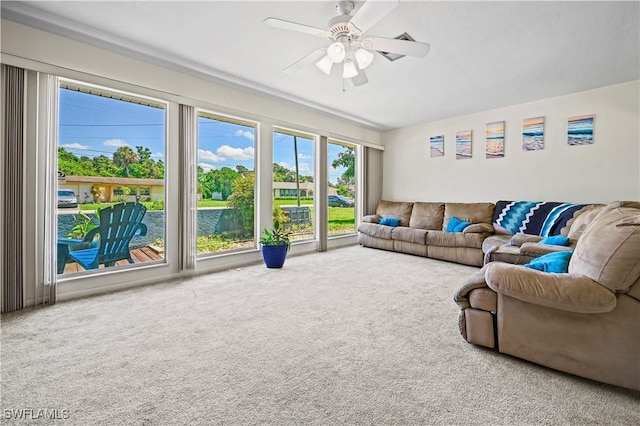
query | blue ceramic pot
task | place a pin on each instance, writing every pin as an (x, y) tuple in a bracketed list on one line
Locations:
[(274, 256)]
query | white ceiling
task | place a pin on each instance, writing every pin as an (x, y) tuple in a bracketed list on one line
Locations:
[(484, 55)]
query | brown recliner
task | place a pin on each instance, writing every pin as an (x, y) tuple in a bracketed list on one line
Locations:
[(585, 322)]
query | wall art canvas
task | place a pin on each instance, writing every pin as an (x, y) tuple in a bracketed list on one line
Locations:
[(495, 140), (580, 130), (533, 134), (463, 144), (437, 146)]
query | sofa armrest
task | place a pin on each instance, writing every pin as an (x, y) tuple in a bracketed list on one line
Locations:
[(566, 292), (479, 228), (537, 250), (372, 218), (519, 239)]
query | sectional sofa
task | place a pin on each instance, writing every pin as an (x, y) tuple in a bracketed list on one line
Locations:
[(586, 321), (505, 231)]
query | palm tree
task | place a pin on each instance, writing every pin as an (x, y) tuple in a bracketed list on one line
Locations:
[(123, 157)]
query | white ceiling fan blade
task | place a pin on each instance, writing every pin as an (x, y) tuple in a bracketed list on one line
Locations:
[(400, 47), (294, 26), (361, 78), (370, 13), (311, 58)]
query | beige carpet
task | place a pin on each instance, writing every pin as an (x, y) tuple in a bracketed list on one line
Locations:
[(350, 336)]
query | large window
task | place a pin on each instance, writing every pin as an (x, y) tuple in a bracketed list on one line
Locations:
[(342, 188), (110, 146), (293, 183), (226, 184)]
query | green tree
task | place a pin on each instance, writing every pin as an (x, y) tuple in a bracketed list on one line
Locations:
[(242, 170), (223, 181), (72, 165), (124, 157), (143, 153), (346, 159), (243, 199), (282, 174), (104, 166)]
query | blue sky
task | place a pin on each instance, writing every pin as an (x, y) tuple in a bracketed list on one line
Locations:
[(93, 125)]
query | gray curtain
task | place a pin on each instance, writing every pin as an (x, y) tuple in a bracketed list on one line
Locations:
[(187, 178), (12, 185), (372, 179)]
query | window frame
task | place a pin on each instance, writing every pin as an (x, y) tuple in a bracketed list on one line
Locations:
[(255, 125)]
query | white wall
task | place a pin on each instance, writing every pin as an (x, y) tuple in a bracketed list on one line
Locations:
[(606, 171)]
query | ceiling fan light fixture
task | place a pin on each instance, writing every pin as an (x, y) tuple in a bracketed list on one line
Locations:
[(325, 64), (336, 52), (364, 58), (349, 69)]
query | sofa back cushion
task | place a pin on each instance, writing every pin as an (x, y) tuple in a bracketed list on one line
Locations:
[(468, 212), (609, 249), (427, 216), (395, 209), (578, 224), (542, 218)]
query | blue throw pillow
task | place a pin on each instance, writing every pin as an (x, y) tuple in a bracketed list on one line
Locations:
[(557, 262), (390, 221), (453, 222), (460, 227), (456, 225), (556, 240)]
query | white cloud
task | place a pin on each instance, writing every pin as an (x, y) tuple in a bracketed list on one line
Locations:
[(304, 157), (284, 164), (207, 167), (210, 156), (116, 143), (74, 145), (245, 134), (226, 151), (157, 155), (304, 168)]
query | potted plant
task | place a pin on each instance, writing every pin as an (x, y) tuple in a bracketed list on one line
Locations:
[(82, 225), (275, 245)]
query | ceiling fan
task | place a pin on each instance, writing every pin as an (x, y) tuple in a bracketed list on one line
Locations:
[(349, 43)]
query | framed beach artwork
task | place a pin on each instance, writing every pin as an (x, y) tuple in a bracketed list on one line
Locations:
[(580, 130), (533, 134), (463, 144), (495, 140), (437, 146)]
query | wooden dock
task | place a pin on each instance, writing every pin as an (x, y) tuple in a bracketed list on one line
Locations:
[(139, 255)]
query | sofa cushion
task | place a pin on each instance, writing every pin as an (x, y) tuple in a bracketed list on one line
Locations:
[(372, 218), (375, 230), (427, 216), (411, 235), (519, 239), (479, 228), (608, 251), (395, 209), (581, 219), (493, 242), (468, 212), (454, 239)]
